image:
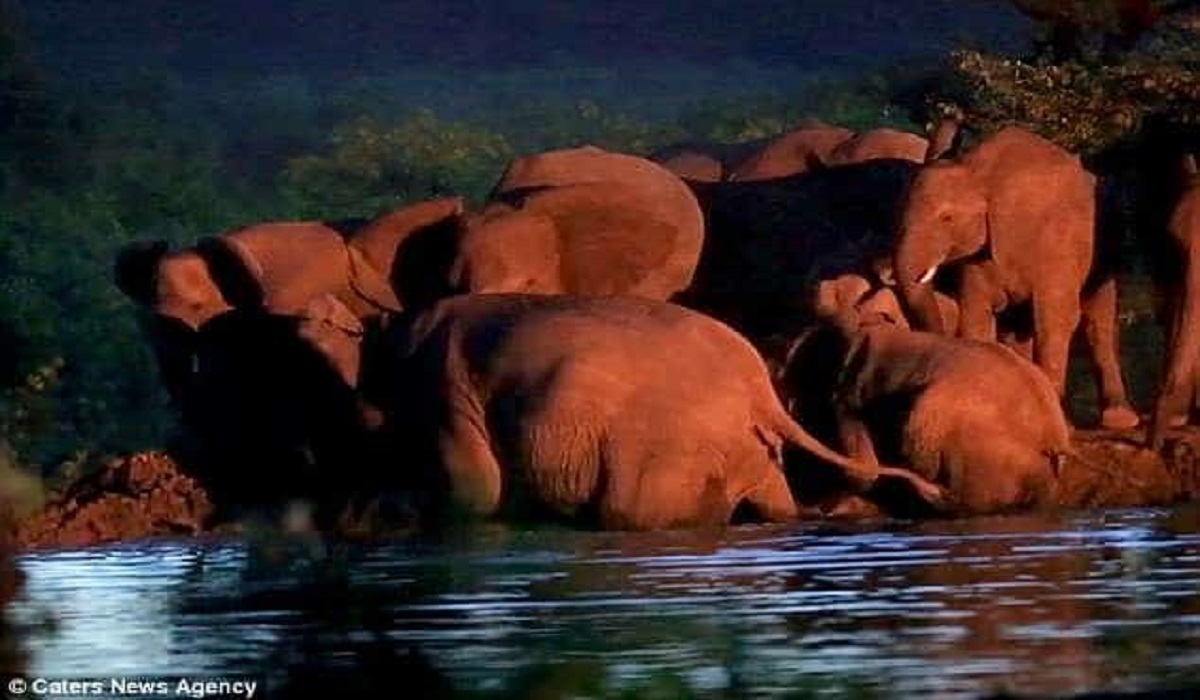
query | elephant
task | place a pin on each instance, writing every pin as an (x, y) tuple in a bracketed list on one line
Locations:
[(879, 143), (972, 417), (619, 412), (792, 153), (580, 221), (770, 242), (279, 267), (268, 419), (590, 239), (851, 298), (1182, 375), (1016, 217), (705, 161)]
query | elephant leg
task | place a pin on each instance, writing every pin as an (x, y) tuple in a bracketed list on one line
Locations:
[(989, 473), (1055, 318), (771, 498), (977, 312), (470, 466), (1103, 340), (661, 490), (1179, 377)]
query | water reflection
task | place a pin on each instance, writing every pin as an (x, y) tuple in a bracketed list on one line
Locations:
[(1043, 605)]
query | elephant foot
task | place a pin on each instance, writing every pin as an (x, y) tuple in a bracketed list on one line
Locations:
[(1179, 421), (1120, 417)]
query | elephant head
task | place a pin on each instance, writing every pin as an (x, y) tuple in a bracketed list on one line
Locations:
[(190, 286), (278, 266), (944, 218)]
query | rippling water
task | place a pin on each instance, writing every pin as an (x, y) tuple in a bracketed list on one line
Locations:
[(1031, 605)]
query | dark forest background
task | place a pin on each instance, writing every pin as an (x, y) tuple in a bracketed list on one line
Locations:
[(178, 119)]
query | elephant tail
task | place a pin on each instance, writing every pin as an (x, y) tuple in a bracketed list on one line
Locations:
[(862, 476)]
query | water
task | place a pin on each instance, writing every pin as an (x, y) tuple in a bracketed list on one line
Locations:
[(1032, 605)]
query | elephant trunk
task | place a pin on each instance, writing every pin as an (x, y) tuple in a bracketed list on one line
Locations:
[(1178, 382), (915, 270)]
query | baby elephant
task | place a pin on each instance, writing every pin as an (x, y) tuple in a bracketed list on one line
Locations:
[(974, 418), (622, 412)]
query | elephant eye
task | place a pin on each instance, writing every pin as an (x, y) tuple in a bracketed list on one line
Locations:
[(945, 216)]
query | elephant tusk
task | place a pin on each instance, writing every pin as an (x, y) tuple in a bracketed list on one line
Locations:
[(928, 276)]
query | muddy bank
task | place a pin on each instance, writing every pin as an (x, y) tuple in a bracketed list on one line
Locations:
[(1113, 470), (149, 495), (145, 495)]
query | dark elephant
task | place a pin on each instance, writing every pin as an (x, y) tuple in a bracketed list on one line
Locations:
[(770, 242), (268, 419), (621, 412), (1016, 218), (1181, 377)]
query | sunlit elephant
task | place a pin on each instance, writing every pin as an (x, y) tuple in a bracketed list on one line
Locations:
[(792, 153), (879, 143), (973, 417), (591, 239), (1016, 218), (849, 298), (277, 267), (770, 242), (581, 221), (621, 412), (705, 161), (1178, 393)]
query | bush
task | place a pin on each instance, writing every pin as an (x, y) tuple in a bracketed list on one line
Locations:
[(373, 167)]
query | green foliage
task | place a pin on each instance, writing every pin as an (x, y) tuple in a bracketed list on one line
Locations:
[(373, 167), (1085, 108)]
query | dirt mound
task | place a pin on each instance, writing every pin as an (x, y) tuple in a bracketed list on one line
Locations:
[(144, 495), (1114, 470)]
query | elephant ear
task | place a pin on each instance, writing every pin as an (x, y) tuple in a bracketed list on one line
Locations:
[(608, 244), (379, 240), (378, 248), (371, 284), (236, 272), (335, 333), (136, 268)]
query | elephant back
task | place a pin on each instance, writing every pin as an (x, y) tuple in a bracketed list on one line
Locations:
[(636, 185), (792, 153), (291, 262)]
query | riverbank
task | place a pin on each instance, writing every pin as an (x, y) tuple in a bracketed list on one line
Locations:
[(148, 495)]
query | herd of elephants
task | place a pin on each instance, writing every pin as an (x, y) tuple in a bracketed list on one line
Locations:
[(800, 326)]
